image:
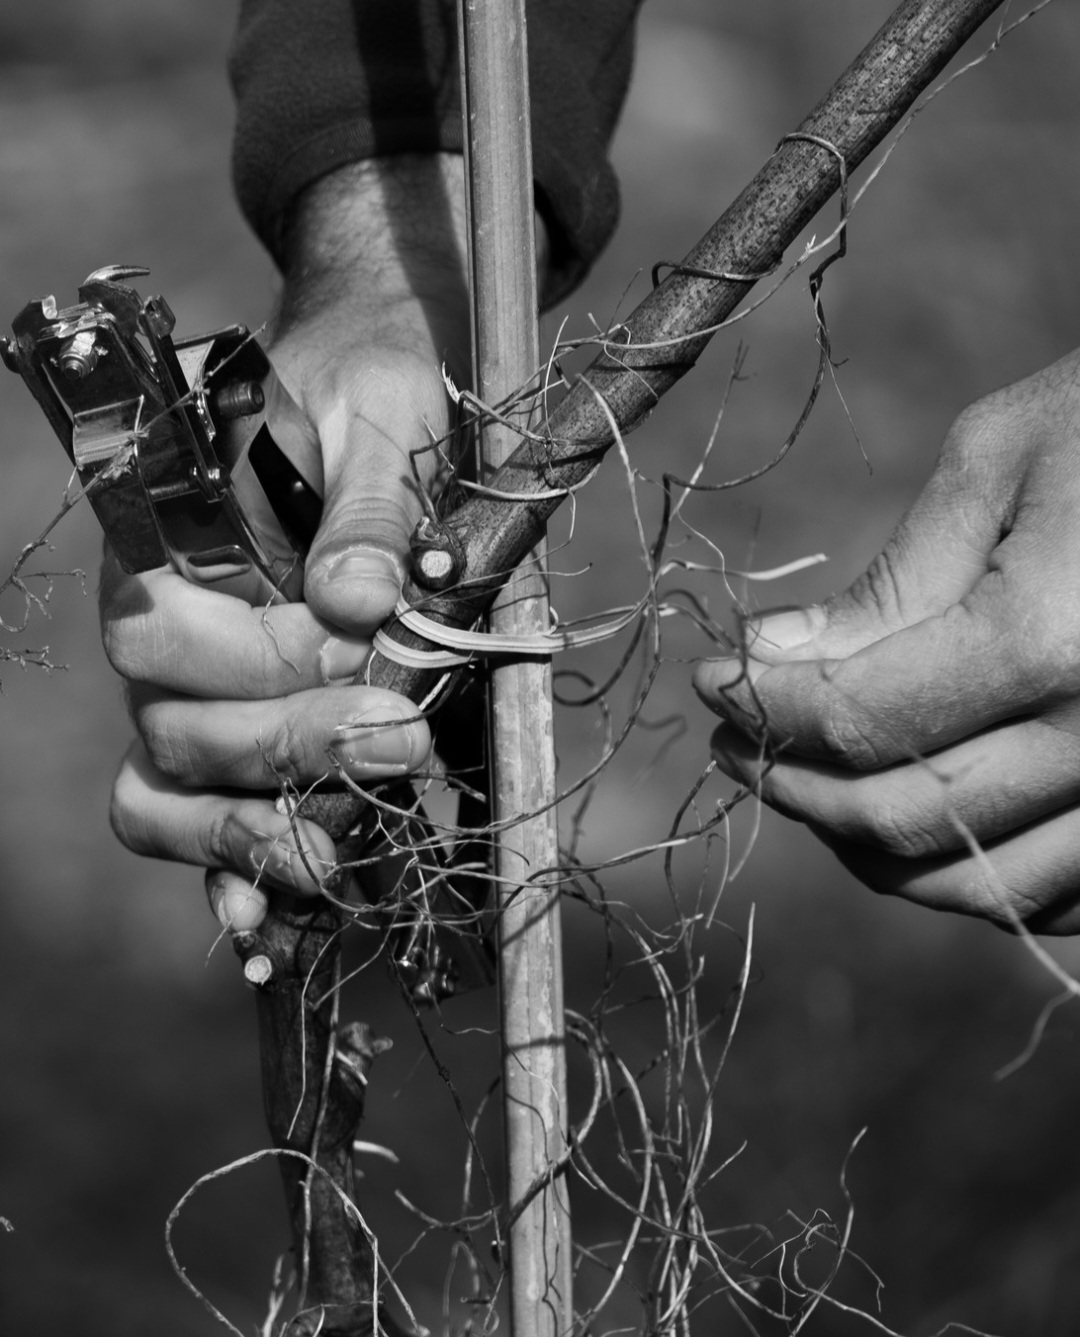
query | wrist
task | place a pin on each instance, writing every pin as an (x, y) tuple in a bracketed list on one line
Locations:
[(377, 251)]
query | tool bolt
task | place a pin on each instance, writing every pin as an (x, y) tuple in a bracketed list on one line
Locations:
[(239, 400), (79, 356)]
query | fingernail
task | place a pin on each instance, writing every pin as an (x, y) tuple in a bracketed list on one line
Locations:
[(716, 675), (238, 906), (281, 862), (376, 739), (783, 631), (371, 568), (342, 657), (714, 679)]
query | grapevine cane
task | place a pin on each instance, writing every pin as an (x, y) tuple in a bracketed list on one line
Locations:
[(489, 535)]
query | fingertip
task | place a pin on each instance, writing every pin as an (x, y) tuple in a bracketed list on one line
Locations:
[(342, 657), (355, 588), (238, 906), (714, 679), (776, 635), (298, 857), (711, 676), (317, 854), (385, 737)]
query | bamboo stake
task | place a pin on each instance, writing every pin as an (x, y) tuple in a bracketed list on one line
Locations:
[(506, 350)]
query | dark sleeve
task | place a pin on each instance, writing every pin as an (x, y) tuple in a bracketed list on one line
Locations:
[(326, 82)]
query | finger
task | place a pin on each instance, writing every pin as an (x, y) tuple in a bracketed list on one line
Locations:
[(367, 732), (160, 629), (238, 906), (1005, 650), (368, 423), (1031, 877), (155, 817), (983, 787), (938, 552)]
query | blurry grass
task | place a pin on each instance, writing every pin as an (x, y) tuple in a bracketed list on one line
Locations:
[(129, 1065)]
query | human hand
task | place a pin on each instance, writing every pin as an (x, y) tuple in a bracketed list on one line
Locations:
[(925, 723), (228, 698)]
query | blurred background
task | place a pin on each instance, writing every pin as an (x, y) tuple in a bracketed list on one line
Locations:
[(128, 1064)]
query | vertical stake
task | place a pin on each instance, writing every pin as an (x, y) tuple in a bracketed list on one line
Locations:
[(506, 354)]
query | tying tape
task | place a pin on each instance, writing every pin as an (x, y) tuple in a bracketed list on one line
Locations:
[(460, 646)]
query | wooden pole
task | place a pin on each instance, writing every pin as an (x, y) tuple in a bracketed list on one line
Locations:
[(506, 351)]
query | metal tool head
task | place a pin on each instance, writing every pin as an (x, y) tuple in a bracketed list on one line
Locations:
[(154, 428)]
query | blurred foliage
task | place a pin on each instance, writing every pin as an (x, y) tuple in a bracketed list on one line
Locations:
[(126, 1039)]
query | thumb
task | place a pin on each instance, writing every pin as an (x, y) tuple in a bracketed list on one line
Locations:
[(369, 420), (933, 559)]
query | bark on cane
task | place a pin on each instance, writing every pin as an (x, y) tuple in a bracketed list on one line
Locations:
[(313, 1091)]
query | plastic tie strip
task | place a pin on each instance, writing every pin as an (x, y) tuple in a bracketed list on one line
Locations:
[(460, 646)]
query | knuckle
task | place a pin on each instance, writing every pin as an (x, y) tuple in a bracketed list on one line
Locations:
[(993, 898), (877, 589), (225, 839), (129, 627), (123, 817), (1044, 645), (165, 741), (904, 828), (1009, 897), (985, 418), (848, 741), (988, 441), (286, 754), (375, 519), (967, 428), (117, 646), (142, 649), (124, 646)]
